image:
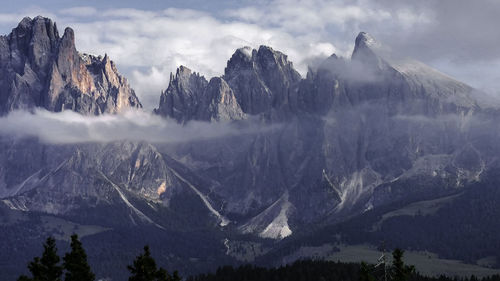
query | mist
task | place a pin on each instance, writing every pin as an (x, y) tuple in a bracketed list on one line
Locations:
[(68, 127)]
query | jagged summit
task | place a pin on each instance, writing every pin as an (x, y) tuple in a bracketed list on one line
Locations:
[(365, 40), (42, 69), (244, 53), (368, 51), (260, 79), (190, 96), (179, 101), (254, 82), (414, 79), (263, 81)]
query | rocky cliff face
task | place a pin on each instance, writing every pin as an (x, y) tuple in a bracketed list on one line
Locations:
[(41, 69), (375, 76), (261, 79), (353, 135), (356, 130), (254, 82), (181, 99), (190, 96)]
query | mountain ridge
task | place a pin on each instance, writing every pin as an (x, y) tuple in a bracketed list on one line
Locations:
[(42, 69), (351, 138)]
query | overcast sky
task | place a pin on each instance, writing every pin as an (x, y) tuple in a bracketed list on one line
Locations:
[(148, 39)]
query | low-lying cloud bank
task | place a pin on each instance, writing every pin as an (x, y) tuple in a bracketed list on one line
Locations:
[(69, 127)]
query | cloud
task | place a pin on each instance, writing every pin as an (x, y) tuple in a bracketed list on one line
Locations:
[(70, 127), (149, 42), (148, 45), (304, 16), (82, 11)]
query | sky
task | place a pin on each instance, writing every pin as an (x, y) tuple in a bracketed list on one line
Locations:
[(148, 39)]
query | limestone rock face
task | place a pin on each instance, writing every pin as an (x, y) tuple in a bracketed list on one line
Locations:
[(358, 133), (190, 96), (374, 75), (38, 68), (218, 102), (180, 100), (255, 82), (261, 79)]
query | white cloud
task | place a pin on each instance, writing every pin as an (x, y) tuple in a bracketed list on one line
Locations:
[(150, 45), (10, 19), (82, 11), (297, 16), (147, 45), (71, 127), (151, 81), (409, 19)]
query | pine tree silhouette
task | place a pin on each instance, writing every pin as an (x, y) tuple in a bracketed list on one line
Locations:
[(365, 272), (144, 269), (75, 263), (400, 271), (46, 268)]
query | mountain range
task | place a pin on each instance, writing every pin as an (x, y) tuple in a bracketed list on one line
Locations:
[(362, 149)]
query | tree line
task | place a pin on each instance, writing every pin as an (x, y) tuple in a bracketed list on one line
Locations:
[(75, 267), (321, 270)]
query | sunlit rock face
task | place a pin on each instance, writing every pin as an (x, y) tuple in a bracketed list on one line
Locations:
[(41, 69), (66, 177)]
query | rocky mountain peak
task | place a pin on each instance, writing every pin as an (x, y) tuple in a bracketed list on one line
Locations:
[(183, 72), (180, 100), (219, 103), (242, 57), (69, 37), (375, 75), (190, 96), (367, 51), (41, 69), (260, 79), (365, 40)]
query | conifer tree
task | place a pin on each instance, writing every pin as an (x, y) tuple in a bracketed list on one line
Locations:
[(144, 269), (400, 271), (75, 263), (47, 267), (364, 273), (176, 276)]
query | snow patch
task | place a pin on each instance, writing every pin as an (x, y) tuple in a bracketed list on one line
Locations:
[(277, 214), (356, 186)]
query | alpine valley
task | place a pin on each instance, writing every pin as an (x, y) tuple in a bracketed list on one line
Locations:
[(369, 149)]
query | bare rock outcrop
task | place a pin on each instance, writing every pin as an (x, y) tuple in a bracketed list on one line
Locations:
[(38, 68)]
